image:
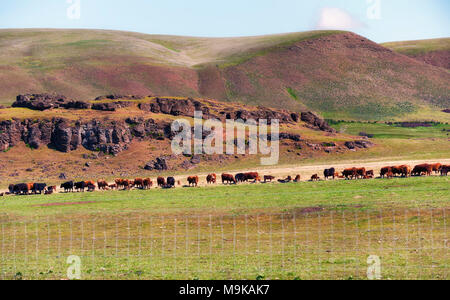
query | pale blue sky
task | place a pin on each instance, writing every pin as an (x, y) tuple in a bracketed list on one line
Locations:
[(399, 19)]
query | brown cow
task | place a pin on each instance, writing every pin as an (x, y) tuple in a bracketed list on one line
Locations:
[(228, 178), (297, 178), (119, 183), (423, 169), (161, 181), (315, 177), (193, 180), (390, 175), (350, 173), (268, 178), (370, 174), (360, 173), (436, 168), (89, 182), (102, 185), (406, 170), (384, 171), (252, 176), (211, 179), (139, 183), (148, 183), (127, 184)]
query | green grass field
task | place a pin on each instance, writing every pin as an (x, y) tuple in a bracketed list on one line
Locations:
[(324, 230)]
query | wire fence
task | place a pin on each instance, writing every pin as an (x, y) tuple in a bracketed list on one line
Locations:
[(299, 244)]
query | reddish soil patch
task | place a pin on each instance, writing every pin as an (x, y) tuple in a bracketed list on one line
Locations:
[(64, 204)]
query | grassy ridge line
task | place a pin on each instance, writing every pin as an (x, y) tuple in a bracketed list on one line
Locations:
[(418, 47)]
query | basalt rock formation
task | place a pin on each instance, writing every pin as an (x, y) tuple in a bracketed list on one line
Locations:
[(108, 137), (48, 101)]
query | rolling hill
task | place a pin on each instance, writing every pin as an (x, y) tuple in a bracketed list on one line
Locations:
[(435, 51), (338, 74)]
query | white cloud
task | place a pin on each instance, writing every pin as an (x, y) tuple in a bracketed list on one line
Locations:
[(339, 19)]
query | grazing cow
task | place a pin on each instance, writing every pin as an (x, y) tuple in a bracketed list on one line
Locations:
[(252, 176), (268, 178), (161, 181), (384, 171), (297, 178), (119, 183), (423, 169), (102, 185), (350, 173), (50, 190), (91, 187), (170, 182), (80, 186), (315, 177), (436, 168), (240, 177), (89, 182), (329, 173), (67, 186), (11, 188), (147, 183), (228, 178), (445, 170), (192, 180), (370, 174), (287, 180), (39, 188), (405, 170), (127, 184), (390, 175), (211, 179), (139, 183), (360, 173)]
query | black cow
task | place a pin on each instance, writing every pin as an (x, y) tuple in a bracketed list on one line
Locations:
[(329, 173), (11, 188), (67, 186), (171, 182), (22, 188), (240, 177), (39, 188), (80, 186)]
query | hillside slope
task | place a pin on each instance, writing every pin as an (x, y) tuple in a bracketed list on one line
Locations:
[(338, 74), (435, 51)]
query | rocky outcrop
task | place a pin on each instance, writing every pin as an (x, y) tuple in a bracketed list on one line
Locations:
[(47, 101), (175, 107), (361, 144), (316, 122), (111, 106), (159, 164), (119, 97), (110, 137)]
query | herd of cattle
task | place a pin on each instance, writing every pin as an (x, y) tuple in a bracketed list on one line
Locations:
[(170, 182)]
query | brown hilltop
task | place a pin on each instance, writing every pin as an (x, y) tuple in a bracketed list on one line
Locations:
[(338, 74)]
